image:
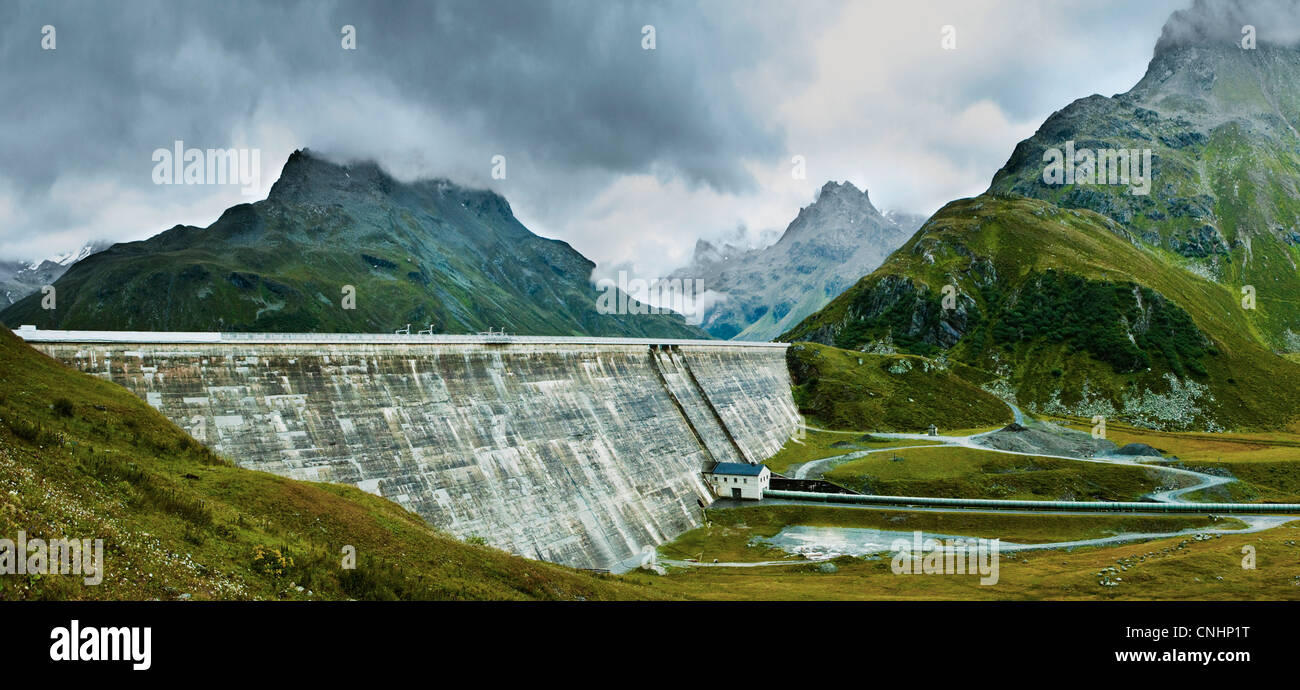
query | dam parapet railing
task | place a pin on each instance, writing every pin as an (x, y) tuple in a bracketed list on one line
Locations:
[(63, 336)]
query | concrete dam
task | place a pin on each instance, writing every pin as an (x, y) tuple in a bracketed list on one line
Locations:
[(579, 451)]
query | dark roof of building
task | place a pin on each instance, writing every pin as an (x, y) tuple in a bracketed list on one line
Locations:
[(743, 469)]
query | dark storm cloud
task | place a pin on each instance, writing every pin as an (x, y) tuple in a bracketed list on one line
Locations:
[(563, 88), (572, 83), (629, 155)]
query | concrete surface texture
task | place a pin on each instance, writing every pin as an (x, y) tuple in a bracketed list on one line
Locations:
[(581, 454)]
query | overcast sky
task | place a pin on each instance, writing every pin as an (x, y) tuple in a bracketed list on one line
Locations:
[(628, 154)]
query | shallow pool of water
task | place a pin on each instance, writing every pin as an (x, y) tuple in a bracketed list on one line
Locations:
[(821, 543)]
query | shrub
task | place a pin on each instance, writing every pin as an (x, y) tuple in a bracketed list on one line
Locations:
[(27, 431), (274, 563), (63, 407)]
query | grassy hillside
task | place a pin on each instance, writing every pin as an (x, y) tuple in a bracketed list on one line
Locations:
[(83, 458), (1225, 194), (968, 473), (1072, 315), (840, 389), (815, 445), (1266, 466)]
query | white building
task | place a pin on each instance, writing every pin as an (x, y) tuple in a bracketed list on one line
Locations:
[(738, 480)]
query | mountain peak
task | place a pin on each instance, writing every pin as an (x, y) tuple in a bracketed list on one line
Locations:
[(310, 177), (836, 199), (844, 188), (1207, 103), (830, 244), (1211, 23)]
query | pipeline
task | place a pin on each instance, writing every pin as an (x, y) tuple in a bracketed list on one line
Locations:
[(1083, 506)]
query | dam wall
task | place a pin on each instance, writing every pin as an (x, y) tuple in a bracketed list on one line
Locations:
[(580, 452)]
